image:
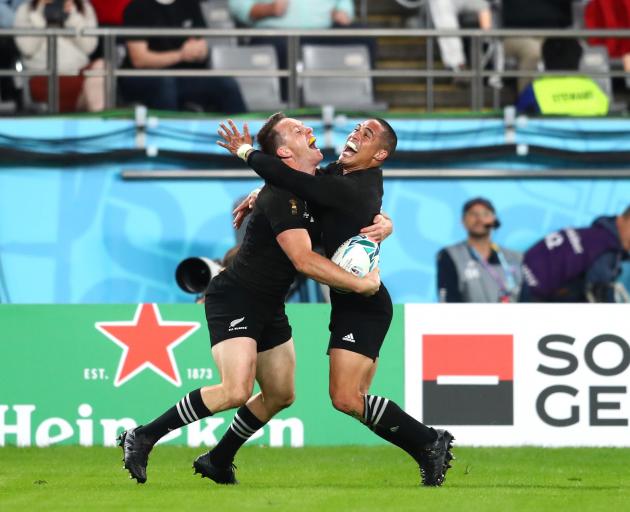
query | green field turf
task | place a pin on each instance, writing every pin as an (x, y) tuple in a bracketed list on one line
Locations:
[(318, 479)]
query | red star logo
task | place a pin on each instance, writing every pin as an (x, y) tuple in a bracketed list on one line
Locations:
[(147, 342)]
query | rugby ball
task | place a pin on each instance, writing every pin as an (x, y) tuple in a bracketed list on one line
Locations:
[(357, 255)]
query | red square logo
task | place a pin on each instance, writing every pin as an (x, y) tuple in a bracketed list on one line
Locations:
[(467, 379)]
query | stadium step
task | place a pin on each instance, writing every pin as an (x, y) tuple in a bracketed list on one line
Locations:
[(385, 20), (446, 95), (380, 7), (409, 48), (405, 94)]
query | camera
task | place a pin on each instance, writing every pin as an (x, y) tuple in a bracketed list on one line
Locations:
[(54, 14), (193, 275)]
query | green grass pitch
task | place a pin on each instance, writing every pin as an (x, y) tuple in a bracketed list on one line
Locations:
[(318, 479)]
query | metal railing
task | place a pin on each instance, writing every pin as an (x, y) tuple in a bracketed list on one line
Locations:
[(429, 174), (477, 74)]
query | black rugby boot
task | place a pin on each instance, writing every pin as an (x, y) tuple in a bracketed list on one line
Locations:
[(436, 458), (221, 475), (136, 449)]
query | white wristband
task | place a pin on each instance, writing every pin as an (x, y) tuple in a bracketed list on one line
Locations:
[(243, 151)]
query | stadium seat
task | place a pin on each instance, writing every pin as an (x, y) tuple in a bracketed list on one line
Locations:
[(344, 92), (595, 59), (216, 14), (578, 7), (259, 93)]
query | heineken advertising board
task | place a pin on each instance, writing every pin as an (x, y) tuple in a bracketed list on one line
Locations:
[(79, 374)]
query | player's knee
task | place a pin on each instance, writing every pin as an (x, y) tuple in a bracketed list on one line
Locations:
[(286, 399), (346, 402), (282, 399), (238, 396)]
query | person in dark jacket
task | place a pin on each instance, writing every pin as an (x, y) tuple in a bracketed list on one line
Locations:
[(578, 264)]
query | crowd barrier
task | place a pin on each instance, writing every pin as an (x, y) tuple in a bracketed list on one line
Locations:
[(477, 73)]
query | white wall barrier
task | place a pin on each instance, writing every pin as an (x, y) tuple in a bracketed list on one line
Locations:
[(520, 374)]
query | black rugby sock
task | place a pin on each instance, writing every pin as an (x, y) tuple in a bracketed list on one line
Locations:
[(188, 410), (391, 423), (243, 426)]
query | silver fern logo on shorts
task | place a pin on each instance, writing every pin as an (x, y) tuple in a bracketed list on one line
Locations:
[(234, 324)]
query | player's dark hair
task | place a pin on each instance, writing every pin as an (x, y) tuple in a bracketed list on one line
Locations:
[(389, 138), (268, 138), (626, 213)]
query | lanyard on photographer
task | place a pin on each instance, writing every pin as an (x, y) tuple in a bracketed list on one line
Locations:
[(506, 285)]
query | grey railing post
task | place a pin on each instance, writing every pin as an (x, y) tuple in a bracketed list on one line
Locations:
[(429, 92), (476, 89), (53, 74), (110, 67), (292, 59), (364, 11)]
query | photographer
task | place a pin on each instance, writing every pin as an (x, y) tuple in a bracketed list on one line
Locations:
[(73, 53), (579, 264)]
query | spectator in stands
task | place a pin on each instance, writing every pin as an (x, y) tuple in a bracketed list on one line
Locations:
[(8, 50), (293, 13), (174, 93), (445, 16), (569, 95), (477, 269), (578, 265), (612, 14), (532, 14), (110, 12), (7, 12), (298, 14), (73, 53)]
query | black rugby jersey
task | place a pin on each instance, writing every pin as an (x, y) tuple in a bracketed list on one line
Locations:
[(260, 265), (342, 204)]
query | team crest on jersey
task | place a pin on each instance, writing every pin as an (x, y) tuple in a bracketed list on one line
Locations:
[(294, 208)]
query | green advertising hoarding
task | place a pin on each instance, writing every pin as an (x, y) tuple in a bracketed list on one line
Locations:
[(78, 374)]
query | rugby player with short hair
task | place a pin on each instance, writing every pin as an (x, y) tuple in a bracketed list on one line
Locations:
[(249, 331), (342, 198)]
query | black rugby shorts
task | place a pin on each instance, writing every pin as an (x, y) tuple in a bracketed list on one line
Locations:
[(234, 312), (360, 324)]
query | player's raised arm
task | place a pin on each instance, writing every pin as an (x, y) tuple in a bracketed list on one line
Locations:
[(324, 190)]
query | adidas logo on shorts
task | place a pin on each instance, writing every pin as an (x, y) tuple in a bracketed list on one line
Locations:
[(349, 337)]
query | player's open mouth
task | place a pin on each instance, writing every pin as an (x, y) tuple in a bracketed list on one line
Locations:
[(311, 143), (349, 149)]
